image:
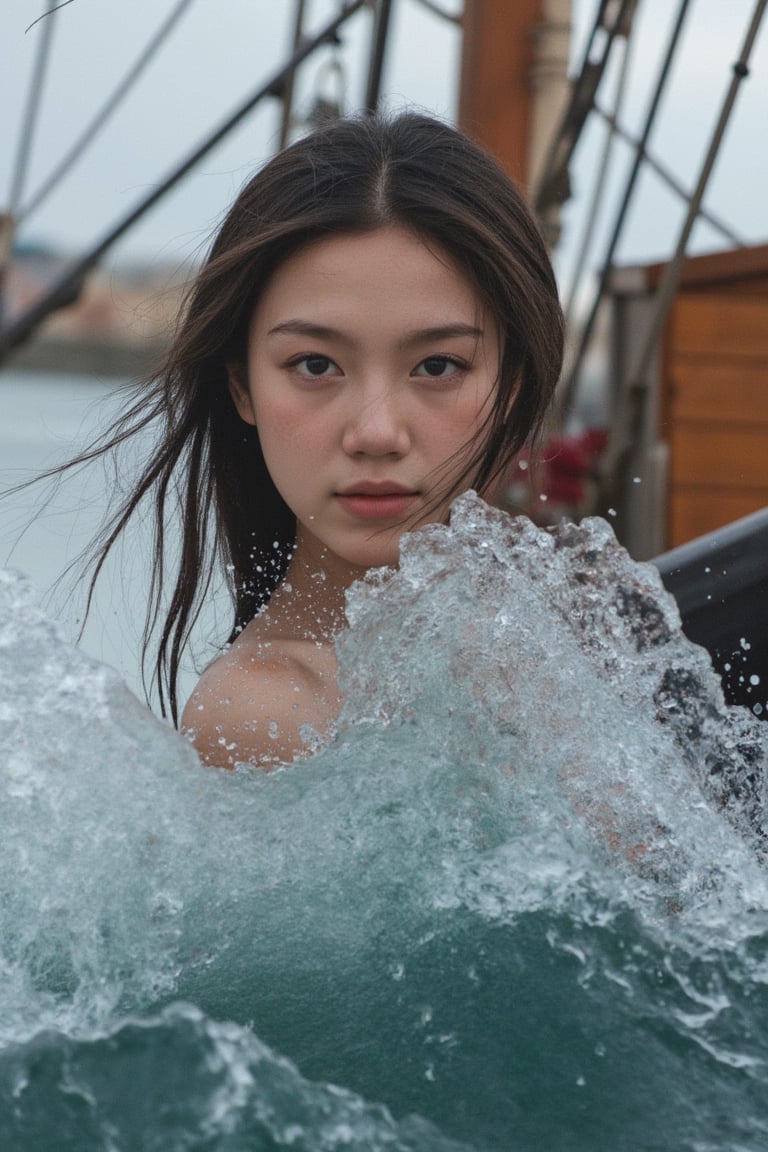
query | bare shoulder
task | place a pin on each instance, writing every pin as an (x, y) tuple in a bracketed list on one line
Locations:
[(252, 703)]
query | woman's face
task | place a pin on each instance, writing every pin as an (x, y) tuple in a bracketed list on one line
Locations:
[(372, 362)]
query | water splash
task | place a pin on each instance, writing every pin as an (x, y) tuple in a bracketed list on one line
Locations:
[(520, 896)]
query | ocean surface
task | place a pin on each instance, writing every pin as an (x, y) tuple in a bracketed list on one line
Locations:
[(519, 902), (46, 528)]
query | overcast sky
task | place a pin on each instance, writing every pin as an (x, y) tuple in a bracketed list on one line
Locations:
[(223, 49)]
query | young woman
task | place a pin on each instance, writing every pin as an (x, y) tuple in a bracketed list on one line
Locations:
[(375, 330)]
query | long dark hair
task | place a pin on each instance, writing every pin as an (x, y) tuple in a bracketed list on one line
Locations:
[(354, 176)]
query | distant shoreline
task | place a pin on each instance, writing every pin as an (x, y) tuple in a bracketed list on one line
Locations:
[(86, 357)]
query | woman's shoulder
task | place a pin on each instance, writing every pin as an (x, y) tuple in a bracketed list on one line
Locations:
[(251, 704)]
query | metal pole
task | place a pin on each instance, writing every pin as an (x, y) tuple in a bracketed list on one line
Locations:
[(378, 49), (68, 287)]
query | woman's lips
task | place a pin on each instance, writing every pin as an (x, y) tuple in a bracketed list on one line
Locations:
[(376, 501)]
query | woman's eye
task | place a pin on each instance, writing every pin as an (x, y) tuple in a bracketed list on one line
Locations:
[(315, 365), (437, 367)]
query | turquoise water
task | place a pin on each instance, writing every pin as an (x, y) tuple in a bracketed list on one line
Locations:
[(518, 903)]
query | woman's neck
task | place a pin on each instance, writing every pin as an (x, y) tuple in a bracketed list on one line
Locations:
[(309, 603)]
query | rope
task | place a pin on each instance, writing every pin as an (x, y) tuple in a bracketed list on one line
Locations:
[(671, 277), (110, 106), (600, 183), (452, 17), (29, 124), (67, 288), (568, 393), (553, 185), (667, 176), (630, 411)]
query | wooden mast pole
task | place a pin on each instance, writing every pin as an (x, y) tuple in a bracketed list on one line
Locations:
[(514, 82)]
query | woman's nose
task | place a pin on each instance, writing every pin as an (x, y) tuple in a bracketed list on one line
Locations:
[(377, 426)]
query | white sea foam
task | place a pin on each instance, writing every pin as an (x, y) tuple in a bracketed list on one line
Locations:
[(528, 867)]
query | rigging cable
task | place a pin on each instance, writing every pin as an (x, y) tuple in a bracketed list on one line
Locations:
[(553, 186), (31, 112), (600, 181), (29, 123), (667, 176), (451, 17), (378, 50), (569, 389), (67, 288), (631, 410), (103, 115), (287, 94)]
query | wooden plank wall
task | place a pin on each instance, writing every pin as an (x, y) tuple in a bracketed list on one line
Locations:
[(715, 410)]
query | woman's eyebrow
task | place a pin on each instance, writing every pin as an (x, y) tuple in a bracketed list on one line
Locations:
[(311, 329), (307, 328), (440, 332)]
